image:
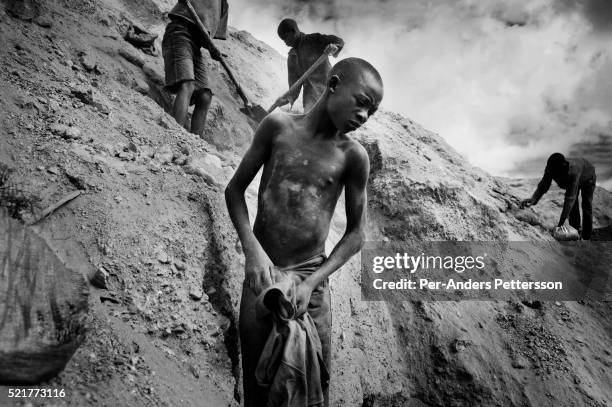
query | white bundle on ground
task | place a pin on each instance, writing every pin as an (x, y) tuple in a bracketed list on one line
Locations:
[(565, 233)]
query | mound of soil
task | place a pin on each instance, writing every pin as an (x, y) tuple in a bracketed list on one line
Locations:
[(83, 109)]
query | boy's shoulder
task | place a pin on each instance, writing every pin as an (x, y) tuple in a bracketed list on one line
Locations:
[(313, 36), (273, 125), (356, 151), (278, 119)]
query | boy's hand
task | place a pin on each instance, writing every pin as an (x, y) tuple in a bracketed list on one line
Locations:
[(282, 101), (302, 298), (331, 49), (258, 271)]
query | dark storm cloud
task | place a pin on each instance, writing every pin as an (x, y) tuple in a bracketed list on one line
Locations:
[(599, 12)]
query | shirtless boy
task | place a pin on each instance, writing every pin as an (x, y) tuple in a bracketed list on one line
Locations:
[(307, 160)]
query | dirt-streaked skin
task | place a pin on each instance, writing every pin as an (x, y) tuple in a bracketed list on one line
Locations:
[(307, 160), (299, 188)]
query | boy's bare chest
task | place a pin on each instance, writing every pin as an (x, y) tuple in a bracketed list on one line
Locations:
[(312, 162)]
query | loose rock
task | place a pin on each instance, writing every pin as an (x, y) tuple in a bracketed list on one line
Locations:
[(44, 22), (99, 278), (194, 371), (88, 62), (150, 70), (163, 258), (132, 57), (162, 121), (196, 294), (164, 154), (140, 86), (76, 180), (85, 95), (58, 128), (132, 147), (72, 133), (53, 170), (184, 148), (54, 105), (519, 362)]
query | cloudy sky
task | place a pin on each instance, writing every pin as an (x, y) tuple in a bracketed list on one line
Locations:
[(505, 82)]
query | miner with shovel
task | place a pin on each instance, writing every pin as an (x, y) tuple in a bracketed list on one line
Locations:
[(308, 63)]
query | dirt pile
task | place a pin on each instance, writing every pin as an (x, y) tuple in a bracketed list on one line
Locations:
[(82, 109)]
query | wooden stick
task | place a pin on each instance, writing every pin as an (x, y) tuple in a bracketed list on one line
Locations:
[(56, 206), (209, 43), (302, 79)]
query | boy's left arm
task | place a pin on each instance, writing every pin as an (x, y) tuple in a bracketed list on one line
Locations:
[(356, 179)]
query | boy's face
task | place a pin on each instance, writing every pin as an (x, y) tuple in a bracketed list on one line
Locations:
[(352, 102), (290, 37)]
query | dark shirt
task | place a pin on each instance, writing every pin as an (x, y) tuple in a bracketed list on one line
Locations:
[(308, 49), (212, 13), (580, 172)]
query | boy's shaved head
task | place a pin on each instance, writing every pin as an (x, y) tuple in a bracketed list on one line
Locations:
[(286, 26), (354, 93), (350, 69)]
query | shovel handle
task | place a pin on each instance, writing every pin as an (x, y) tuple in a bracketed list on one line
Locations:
[(241, 93), (209, 42), (302, 79)]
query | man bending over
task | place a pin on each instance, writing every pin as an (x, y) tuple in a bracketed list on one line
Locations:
[(576, 176)]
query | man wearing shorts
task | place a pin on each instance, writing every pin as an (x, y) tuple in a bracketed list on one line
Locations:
[(185, 66)]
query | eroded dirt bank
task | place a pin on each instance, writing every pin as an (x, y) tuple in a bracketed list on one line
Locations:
[(82, 109)]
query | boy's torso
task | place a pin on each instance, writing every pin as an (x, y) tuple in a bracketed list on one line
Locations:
[(579, 169), (212, 13), (309, 49), (300, 185)]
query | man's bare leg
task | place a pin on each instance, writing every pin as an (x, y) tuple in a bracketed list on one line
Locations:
[(198, 119), (181, 102)]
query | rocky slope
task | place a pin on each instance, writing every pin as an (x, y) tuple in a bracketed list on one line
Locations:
[(83, 109)]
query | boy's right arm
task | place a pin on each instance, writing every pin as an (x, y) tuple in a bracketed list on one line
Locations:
[(543, 187), (258, 267)]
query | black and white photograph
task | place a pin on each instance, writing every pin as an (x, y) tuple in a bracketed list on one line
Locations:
[(306, 203)]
